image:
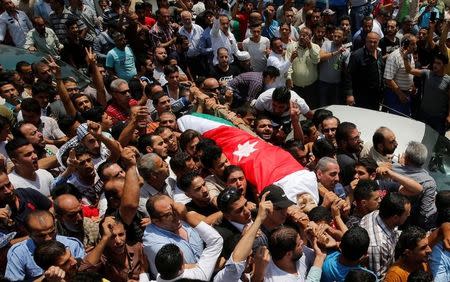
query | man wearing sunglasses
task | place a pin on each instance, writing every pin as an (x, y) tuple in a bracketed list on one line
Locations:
[(119, 109)]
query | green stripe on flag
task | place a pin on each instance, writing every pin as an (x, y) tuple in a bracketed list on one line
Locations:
[(213, 118)]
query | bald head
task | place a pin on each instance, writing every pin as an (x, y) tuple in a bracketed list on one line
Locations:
[(210, 83), (65, 203), (372, 40)]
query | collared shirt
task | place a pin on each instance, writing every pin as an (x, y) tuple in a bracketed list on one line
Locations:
[(303, 70), (220, 39), (205, 44), (232, 271), (146, 192), (116, 270), (395, 70), (58, 23), (282, 64), (116, 112), (162, 34), (382, 242), (89, 18), (18, 25), (365, 71), (155, 238), (194, 39), (246, 86), (21, 265), (48, 43), (440, 263)]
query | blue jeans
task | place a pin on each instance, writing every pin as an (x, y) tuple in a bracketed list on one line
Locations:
[(357, 14)]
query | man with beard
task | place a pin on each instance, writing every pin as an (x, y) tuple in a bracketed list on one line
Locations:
[(384, 145), (223, 71), (14, 21), (390, 41), (10, 95), (145, 69), (328, 127), (349, 144), (290, 259), (16, 204), (114, 257), (26, 173), (169, 138), (167, 227), (264, 128), (120, 59), (36, 138), (160, 62), (71, 222)]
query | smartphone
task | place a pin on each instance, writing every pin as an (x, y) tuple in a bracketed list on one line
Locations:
[(433, 16)]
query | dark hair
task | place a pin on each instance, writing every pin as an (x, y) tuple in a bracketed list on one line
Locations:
[(323, 148), (393, 204), (368, 163), (48, 253), (272, 41), (15, 130), (343, 131), (178, 162), (420, 276), (210, 155), (160, 129), (4, 122), (186, 180), (281, 241), (364, 189), (354, 243), (245, 109), (31, 105), (360, 275), (80, 150), (15, 144), (205, 143), (366, 19), (306, 126), (169, 69), (378, 137), (65, 123), (320, 115), (21, 64), (281, 95), (65, 188), (169, 261), (70, 22), (156, 97), (229, 170), (187, 137), (94, 114), (180, 39), (441, 57), (320, 213), (227, 197), (144, 141), (150, 205), (330, 117), (100, 170), (271, 71), (408, 240)]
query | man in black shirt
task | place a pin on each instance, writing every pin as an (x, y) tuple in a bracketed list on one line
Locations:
[(223, 71), (390, 41), (195, 188)]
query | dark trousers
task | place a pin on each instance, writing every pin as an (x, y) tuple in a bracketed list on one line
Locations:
[(368, 98), (309, 93), (395, 105), (329, 93)]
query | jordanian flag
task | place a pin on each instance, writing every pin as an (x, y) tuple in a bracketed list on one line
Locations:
[(262, 163)]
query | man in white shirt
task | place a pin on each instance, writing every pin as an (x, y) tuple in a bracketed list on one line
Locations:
[(258, 46), (193, 32), (222, 37), (278, 59), (26, 172), (43, 39), (15, 22)]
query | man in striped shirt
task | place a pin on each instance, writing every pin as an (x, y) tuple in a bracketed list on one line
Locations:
[(399, 82)]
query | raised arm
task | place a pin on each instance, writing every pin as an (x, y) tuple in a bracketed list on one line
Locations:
[(97, 78), (409, 187), (96, 130), (130, 199)]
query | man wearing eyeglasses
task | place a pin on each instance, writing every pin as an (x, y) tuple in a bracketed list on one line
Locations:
[(329, 126), (40, 225)]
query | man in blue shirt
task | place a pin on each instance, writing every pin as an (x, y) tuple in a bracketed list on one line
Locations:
[(41, 227), (167, 228), (120, 60), (354, 245)]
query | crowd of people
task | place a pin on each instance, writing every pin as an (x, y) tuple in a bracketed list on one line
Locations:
[(110, 182)]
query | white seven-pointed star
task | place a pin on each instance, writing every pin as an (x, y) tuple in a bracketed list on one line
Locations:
[(245, 150)]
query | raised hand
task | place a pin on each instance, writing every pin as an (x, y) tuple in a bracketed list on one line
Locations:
[(265, 207), (107, 226), (128, 156), (91, 57), (54, 67), (94, 128), (72, 161)]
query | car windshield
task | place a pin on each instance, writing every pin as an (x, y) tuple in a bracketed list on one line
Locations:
[(439, 165), (12, 55)]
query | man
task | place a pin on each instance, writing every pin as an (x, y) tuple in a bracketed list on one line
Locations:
[(277, 103), (221, 37), (349, 145), (155, 171), (279, 60), (59, 17), (411, 253), (390, 41), (120, 60), (247, 86), (10, 95), (424, 207), (40, 225), (167, 227), (257, 46), (162, 32), (29, 132), (75, 46), (169, 139), (333, 58), (14, 21), (214, 162), (435, 104), (359, 10), (353, 250), (193, 32), (236, 216), (71, 222), (26, 172), (384, 144), (365, 77), (303, 72), (329, 126), (168, 119), (327, 171), (289, 256), (21, 202), (43, 39), (152, 143), (88, 16), (223, 71), (263, 127), (360, 36), (195, 188), (400, 83), (366, 198), (382, 226), (119, 109)]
